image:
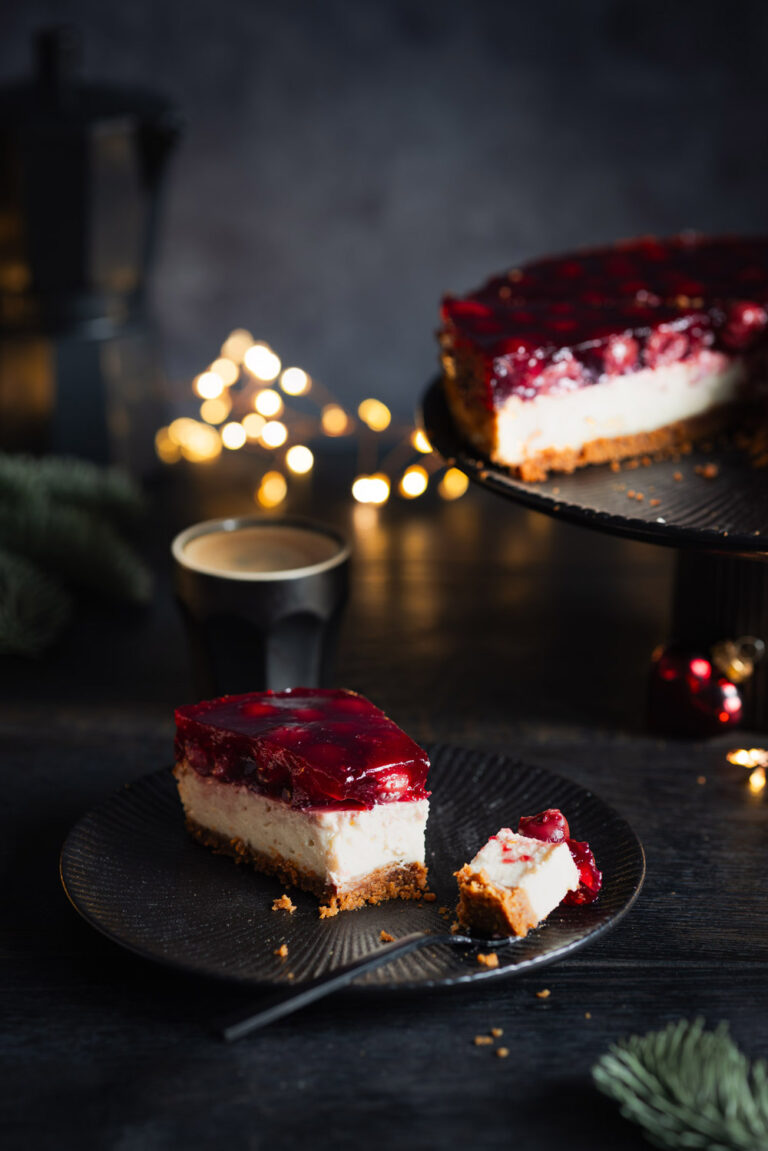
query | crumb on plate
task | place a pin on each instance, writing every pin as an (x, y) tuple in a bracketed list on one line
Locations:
[(488, 959), (284, 903)]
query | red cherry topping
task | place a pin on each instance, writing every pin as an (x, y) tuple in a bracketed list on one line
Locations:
[(590, 878), (315, 747), (744, 323), (643, 303), (621, 355), (549, 826), (665, 346)]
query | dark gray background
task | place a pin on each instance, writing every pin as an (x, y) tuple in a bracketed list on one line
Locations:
[(345, 163)]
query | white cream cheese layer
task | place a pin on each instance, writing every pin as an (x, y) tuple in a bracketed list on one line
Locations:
[(626, 405), (340, 846), (544, 871)]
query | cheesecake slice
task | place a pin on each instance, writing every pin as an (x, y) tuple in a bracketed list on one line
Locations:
[(513, 883), (604, 354), (315, 786)]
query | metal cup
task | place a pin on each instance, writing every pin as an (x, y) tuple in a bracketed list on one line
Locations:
[(256, 630)]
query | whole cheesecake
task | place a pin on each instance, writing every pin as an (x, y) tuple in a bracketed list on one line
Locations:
[(316, 786), (608, 353)]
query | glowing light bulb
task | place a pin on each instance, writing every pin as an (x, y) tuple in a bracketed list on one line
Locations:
[(262, 362), (272, 490), (167, 449), (199, 443), (226, 369), (748, 757), (757, 779), (299, 459), (268, 403), (233, 436), (453, 484), (420, 442), (209, 385), (216, 411), (414, 482), (295, 382), (371, 489), (334, 420), (237, 344), (360, 489), (274, 434), (254, 425), (177, 429), (375, 414)]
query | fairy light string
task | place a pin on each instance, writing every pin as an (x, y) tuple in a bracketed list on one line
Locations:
[(244, 400)]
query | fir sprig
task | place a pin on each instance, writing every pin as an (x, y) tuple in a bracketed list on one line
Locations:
[(69, 481), (81, 548), (689, 1088), (33, 608)]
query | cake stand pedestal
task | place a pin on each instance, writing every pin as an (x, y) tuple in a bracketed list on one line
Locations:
[(711, 506)]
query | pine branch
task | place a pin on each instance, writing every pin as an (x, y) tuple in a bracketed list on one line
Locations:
[(33, 608), (76, 546), (70, 481), (689, 1088)]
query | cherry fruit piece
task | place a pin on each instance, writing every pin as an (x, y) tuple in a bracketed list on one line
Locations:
[(590, 877), (549, 826)]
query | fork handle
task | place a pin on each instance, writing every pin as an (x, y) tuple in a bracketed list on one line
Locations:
[(240, 1025)]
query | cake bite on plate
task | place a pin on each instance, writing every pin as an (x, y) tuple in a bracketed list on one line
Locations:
[(608, 353), (315, 786), (518, 878)]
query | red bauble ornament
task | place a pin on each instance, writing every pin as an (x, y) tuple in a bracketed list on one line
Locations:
[(689, 696)]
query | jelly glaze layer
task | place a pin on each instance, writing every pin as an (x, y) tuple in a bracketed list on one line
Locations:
[(566, 322), (310, 747)]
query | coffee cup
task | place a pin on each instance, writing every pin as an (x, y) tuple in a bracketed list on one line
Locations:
[(261, 599)]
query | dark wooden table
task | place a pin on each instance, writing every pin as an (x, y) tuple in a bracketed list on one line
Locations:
[(472, 622)]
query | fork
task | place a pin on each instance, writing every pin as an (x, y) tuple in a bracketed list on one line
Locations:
[(242, 1024)]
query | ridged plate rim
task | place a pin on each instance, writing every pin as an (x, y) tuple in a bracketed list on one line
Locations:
[(435, 419), (81, 889)]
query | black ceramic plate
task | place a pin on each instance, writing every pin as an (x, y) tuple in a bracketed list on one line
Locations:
[(727, 513), (130, 868)]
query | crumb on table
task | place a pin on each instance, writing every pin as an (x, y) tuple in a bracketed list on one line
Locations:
[(385, 937), (488, 959), (544, 993), (284, 903), (497, 1032), (701, 780), (502, 1052), (429, 897), (329, 910), (587, 1014), (483, 1041), (281, 951)]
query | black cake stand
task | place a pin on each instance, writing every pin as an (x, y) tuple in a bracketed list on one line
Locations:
[(712, 507)]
